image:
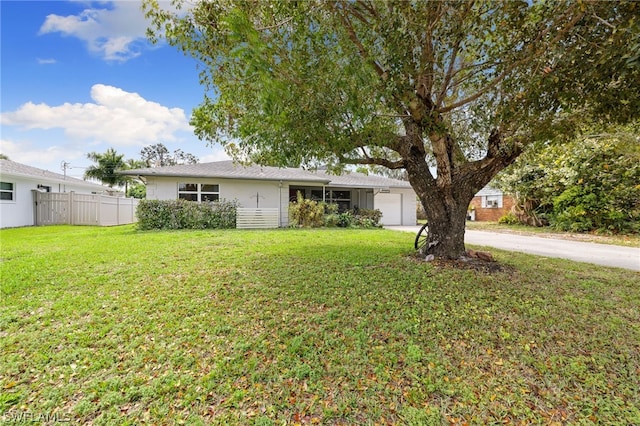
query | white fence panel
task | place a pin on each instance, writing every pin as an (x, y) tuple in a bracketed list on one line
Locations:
[(83, 209), (52, 208), (109, 211), (127, 210), (257, 218)]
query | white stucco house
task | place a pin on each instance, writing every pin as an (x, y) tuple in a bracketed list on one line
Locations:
[(273, 187), (17, 183)]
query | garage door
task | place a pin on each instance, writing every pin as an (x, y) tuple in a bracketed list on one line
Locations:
[(391, 207)]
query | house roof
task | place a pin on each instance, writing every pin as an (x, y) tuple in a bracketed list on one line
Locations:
[(11, 168), (360, 180), (489, 190), (232, 170)]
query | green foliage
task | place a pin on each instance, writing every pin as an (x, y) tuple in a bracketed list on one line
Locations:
[(158, 155), (590, 184), (462, 86), (345, 219), (106, 168), (182, 214), (137, 190), (284, 75), (312, 214), (509, 219), (306, 213), (366, 218)]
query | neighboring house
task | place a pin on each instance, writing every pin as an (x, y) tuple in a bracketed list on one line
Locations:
[(17, 183), (273, 187), (490, 204)]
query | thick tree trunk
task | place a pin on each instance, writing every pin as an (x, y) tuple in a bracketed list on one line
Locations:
[(447, 219), (446, 209), (446, 197)]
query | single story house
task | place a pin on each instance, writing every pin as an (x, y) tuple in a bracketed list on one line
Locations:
[(489, 205), (274, 187), (17, 183)]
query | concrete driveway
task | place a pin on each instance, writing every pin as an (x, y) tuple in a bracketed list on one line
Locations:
[(599, 254)]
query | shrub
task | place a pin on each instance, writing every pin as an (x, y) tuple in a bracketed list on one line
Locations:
[(306, 213), (368, 217), (345, 219), (137, 190), (182, 214), (589, 184), (312, 214), (509, 219), (331, 220), (358, 218)]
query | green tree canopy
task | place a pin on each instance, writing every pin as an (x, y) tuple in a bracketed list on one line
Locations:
[(106, 166), (590, 183), (158, 155), (466, 86)]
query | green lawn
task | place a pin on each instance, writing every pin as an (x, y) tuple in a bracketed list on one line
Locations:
[(116, 326)]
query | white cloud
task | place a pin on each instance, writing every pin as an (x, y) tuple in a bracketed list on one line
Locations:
[(217, 155), (49, 158), (46, 61), (114, 30), (117, 117)]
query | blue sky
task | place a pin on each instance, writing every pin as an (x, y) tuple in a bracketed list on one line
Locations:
[(80, 76)]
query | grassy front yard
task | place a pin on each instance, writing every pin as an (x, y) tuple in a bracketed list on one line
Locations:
[(116, 326)]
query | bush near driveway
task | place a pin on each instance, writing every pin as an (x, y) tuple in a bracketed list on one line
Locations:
[(325, 326)]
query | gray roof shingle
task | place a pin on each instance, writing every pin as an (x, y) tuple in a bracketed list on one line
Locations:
[(232, 170), (359, 180), (11, 168)]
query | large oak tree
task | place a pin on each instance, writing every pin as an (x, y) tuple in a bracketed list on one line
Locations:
[(462, 86)]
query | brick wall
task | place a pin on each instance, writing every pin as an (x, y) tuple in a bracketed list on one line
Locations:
[(491, 214)]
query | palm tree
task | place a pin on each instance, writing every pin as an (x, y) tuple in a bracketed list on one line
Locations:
[(107, 166), (132, 181)]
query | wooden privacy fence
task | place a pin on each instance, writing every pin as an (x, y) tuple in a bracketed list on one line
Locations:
[(70, 208), (257, 218)]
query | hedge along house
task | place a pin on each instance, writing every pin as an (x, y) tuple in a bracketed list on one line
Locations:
[(261, 187)]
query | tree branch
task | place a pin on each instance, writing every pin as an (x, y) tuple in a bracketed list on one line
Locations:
[(356, 41), (449, 75), (535, 48), (276, 25), (454, 56), (393, 165)]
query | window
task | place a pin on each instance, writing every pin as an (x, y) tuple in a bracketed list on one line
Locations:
[(209, 192), (316, 195), (492, 201), (7, 191), (342, 198), (202, 192)]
